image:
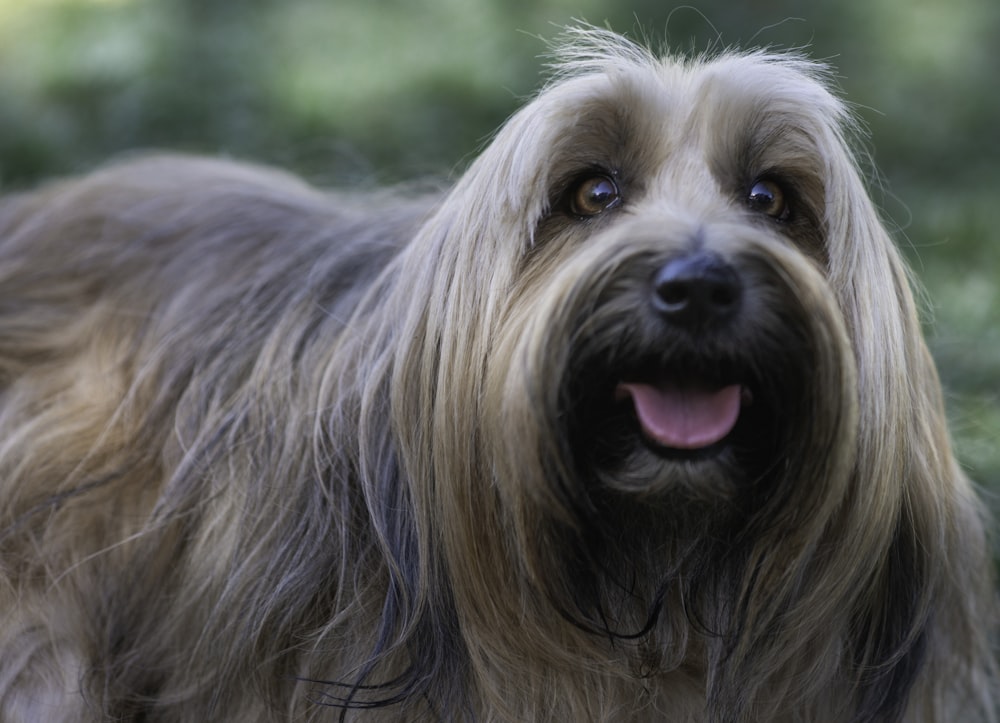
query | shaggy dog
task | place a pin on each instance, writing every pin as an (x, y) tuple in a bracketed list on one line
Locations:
[(635, 423)]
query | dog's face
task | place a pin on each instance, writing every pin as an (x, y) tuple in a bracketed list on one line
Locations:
[(671, 322)]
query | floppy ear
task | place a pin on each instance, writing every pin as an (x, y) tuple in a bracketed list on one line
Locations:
[(912, 513)]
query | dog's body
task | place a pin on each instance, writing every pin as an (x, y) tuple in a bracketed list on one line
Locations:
[(635, 423)]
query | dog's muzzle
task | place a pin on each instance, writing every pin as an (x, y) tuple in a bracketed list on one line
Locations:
[(694, 295)]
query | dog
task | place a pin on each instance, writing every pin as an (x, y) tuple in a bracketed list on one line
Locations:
[(635, 422)]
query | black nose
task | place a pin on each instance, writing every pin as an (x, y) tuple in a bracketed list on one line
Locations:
[(697, 290)]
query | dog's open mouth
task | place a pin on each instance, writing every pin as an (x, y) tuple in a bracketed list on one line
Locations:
[(685, 418)]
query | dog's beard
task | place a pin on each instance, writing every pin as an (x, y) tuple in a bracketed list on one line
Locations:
[(661, 407), (703, 410), (637, 438)]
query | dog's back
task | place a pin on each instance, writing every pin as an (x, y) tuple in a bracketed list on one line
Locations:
[(140, 306)]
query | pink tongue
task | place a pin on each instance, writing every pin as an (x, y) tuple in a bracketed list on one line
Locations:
[(685, 418)]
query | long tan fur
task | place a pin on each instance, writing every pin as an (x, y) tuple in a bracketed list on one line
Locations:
[(269, 453)]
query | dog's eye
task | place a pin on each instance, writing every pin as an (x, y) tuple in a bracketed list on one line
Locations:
[(768, 197), (594, 195)]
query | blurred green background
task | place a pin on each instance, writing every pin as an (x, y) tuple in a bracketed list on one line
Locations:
[(362, 92)]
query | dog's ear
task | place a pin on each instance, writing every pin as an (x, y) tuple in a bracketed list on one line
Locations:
[(923, 580)]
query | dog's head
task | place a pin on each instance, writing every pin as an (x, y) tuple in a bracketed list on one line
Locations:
[(677, 246), (657, 347), (664, 279), (673, 297)]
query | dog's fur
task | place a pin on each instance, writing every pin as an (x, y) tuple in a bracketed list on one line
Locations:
[(269, 453)]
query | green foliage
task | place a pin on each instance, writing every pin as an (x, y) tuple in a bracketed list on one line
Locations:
[(371, 91)]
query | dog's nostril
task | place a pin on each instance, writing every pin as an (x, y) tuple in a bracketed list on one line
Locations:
[(724, 294), (673, 294), (696, 289)]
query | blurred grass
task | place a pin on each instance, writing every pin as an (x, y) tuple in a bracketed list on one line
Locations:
[(371, 91)]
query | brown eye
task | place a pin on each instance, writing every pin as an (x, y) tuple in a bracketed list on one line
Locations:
[(594, 195), (768, 197)]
